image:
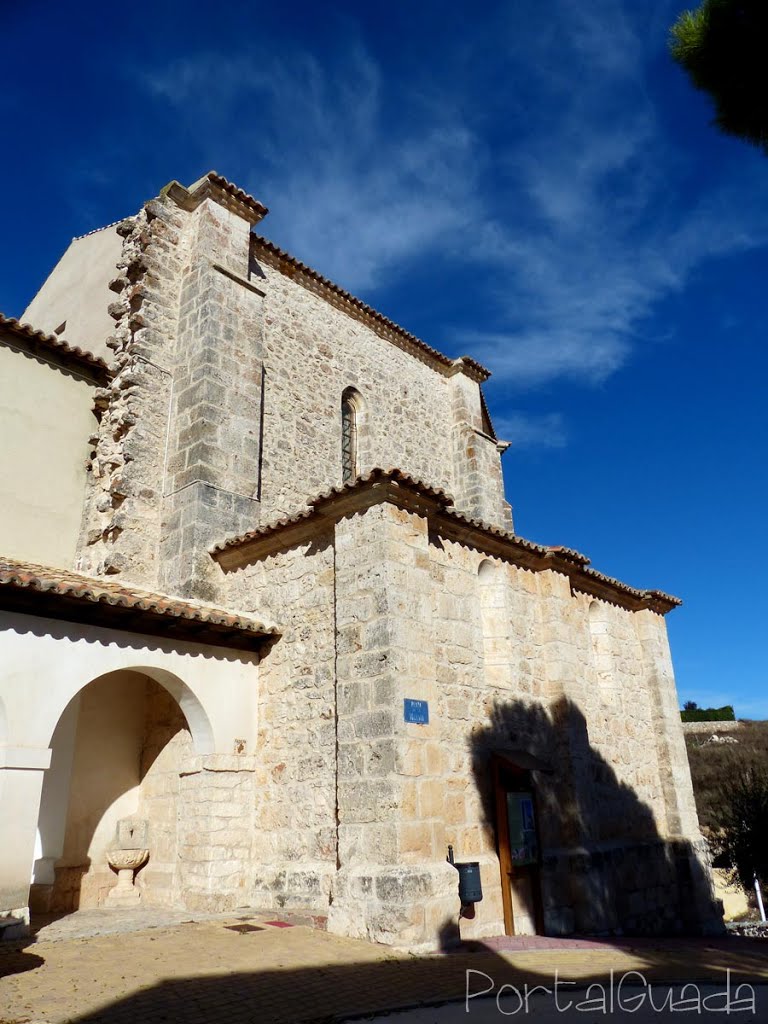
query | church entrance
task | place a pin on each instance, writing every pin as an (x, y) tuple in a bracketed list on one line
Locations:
[(519, 849)]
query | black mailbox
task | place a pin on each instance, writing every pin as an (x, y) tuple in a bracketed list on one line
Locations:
[(470, 886)]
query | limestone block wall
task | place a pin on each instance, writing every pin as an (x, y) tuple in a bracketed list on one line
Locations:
[(175, 460), (585, 700), (313, 351), (478, 484), (294, 837), (393, 883), (378, 608), (213, 474), (215, 830), (166, 746)]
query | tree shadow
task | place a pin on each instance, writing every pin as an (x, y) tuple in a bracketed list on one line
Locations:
[(603, 868)]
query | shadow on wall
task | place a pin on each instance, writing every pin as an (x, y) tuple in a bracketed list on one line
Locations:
[(604, 866), (124, 730)]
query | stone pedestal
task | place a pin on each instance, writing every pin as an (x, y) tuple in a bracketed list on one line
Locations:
[(125, 862)]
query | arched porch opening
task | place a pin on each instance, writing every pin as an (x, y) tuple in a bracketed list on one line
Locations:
[(117, 752)]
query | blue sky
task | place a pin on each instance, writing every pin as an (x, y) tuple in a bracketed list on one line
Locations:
[(534, 184)]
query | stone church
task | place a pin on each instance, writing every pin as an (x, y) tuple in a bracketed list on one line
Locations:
[(268, 636)]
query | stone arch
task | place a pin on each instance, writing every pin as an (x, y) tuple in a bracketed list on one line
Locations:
[(118, 751), (494, 621), (192, 708)]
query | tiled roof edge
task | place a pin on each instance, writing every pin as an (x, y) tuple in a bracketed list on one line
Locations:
[(67, 583), (574, 564), (215, 186), (284, 262), (55, 344), (373, 476)]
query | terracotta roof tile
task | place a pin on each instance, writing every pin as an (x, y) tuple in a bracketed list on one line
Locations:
[(18, 576), (237, 193), (536, 556), (51, 342), (284, 261), (372, 477), (216, 187)]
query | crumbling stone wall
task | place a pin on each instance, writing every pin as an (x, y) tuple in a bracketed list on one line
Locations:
[(123, 503)]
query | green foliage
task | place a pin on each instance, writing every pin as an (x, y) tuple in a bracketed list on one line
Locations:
[(742, 842), (723, 45), (697, 714)]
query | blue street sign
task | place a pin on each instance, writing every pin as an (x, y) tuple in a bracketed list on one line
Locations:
[(416, 711)]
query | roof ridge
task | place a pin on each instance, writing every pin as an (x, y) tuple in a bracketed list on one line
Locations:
[(378, 473)]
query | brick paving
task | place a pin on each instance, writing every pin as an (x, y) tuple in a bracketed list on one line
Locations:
[(243, 970)]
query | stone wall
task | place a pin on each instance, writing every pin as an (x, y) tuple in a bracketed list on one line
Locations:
[(167, 745), (509, 660), (313, 351), (294, 838), (225, 408), (215, 831), (710, 728)]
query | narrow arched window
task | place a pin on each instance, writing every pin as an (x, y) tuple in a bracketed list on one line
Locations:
[(350, 431)]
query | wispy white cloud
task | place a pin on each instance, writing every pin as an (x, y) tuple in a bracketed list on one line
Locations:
[(565, 230), (529, 430), (349, 192)]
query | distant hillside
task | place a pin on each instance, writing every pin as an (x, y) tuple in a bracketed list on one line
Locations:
[(715, 755)]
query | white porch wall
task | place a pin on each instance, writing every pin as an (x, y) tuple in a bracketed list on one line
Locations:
[(47, 662)]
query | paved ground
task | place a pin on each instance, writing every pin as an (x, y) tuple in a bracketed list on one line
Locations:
[(243, 969)]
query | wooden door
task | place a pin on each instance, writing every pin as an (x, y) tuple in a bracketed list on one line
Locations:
[(518, 846)]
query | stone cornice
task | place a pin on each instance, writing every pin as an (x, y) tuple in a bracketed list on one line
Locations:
[(340, 298), (214, 186), (445, 522)]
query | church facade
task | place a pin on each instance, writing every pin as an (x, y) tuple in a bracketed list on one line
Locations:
[(263, 605)]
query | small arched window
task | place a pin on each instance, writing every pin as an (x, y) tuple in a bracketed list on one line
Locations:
[(351, 407)]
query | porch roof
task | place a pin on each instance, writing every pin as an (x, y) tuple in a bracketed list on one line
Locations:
[(63, 594)]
